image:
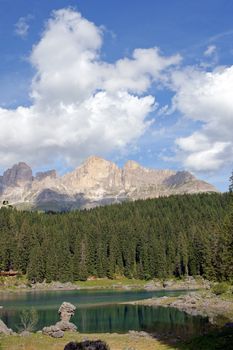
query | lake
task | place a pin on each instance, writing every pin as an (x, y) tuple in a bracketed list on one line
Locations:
[(98, 311)]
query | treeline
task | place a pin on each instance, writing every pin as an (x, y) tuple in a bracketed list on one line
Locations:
[(173, 236)]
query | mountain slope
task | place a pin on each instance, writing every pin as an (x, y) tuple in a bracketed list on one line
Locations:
[(95, 182)]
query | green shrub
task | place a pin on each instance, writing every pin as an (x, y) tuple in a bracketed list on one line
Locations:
[(220, 288), (28, 320)]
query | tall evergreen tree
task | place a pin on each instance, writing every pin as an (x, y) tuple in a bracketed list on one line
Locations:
[(231, 183), (36, 266)]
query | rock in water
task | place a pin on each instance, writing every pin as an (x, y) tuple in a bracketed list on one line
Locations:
[(66, 311)]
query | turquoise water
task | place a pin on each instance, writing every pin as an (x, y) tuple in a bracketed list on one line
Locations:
[(98, 311)]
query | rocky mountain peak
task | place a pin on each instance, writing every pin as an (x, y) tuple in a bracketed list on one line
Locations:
[(131, 165), (44, 174), (95, 172), (94, 163), (95, 182), (20, 173), (181, 177)]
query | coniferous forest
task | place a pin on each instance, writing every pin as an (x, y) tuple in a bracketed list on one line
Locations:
[(164, 237)]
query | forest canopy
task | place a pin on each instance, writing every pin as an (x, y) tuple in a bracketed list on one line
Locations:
[(156, 238)]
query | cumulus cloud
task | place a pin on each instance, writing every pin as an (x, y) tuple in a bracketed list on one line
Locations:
[(206, 97), (22, 26), (80, 104)]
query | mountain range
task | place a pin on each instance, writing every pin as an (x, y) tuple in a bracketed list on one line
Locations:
[(95, 182)]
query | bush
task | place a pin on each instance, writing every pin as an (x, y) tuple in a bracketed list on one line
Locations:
[(220, 288), (28, 320)]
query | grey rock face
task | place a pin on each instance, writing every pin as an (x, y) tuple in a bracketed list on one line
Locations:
[(180, 178), (1, 185), (42, 175), (95, 182), (19, 173)]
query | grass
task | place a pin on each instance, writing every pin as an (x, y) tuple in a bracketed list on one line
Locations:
[(12, 283), (115, 342), (109, 283), (218, 340)]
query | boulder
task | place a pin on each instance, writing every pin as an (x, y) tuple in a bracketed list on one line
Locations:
[(167, 284), (4, 329), (66, 326), (53, 331), (66, 311), (25, 334), (57, 334)]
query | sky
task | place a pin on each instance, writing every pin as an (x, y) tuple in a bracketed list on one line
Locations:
[(145, 80)]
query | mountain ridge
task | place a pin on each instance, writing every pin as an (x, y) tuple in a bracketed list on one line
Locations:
[(95, 182)]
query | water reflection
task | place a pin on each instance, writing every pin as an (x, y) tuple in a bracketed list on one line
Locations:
[(121, 319)]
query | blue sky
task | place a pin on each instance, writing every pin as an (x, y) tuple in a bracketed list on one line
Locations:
[(156, 87)]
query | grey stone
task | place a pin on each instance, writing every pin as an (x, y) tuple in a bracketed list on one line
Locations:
[(25, 334), (57, 334), (66, 310), (167, 284), (4, 329), (50, 330), (66, 326)]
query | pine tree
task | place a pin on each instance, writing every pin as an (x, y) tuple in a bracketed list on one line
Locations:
[(51, 264), (80, 271), (36, 268), (65, 267), (225, 249), (231, 183)]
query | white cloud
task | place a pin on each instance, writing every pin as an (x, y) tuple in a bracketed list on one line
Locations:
[(22, 26), (211, 49), (81, 104), (206, 97)]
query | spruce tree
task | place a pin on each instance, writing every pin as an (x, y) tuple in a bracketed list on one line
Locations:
[(36, 268), (231, 183)]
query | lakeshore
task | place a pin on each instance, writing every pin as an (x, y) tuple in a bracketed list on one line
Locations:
[(202, 302), (205, 304), (20, 283)]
